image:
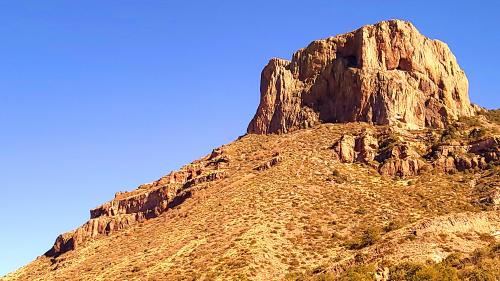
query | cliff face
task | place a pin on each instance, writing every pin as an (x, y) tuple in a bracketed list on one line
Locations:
[(387, 73), (146, 202)]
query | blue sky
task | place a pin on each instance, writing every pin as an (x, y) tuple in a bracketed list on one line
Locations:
[(100, 96)]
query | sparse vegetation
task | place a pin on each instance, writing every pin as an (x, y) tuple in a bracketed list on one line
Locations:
[(292, 216), (413, 271), (470, 121), (484, 264), (368, 238), (477, 133), (392, 226), (359, 273), (337, 177), (450, 133), (493, 116)]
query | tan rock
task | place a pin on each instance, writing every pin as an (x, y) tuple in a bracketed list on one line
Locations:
[(345, 148), (403, 168), (367, 147), (146, 202), (387, 73)]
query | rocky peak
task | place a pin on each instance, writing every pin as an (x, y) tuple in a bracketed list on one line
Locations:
[(386, 73)]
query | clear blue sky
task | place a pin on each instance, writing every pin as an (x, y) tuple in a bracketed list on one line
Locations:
[(101, 96)]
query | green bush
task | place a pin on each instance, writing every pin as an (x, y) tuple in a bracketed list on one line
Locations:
[(387, 142), (482, 265), (295, 276), (370, 236)]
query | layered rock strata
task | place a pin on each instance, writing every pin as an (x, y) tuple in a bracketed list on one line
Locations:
[(146, 202)]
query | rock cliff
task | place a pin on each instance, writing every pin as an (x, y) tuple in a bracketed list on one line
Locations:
[(387, 73), (146, 202)]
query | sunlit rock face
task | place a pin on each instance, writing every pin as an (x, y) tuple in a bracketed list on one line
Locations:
[(387, 73)]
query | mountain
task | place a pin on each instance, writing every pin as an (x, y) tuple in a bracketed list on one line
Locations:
[(365, 161)]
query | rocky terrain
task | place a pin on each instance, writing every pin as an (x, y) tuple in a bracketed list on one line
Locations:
[(365, 161)]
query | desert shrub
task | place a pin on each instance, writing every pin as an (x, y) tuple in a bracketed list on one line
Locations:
[(477, 133), (438, 272), (486, 237), (360, 211), (392, 226), (494, 249), (409, 271), (404, 271), (493, 115), (387, 141), (450, 133), (368, 238), (482, 265), (359, 273), (135, 269), (338, 177), (453, 260), (478, 255), (295, 276), (470, 121), (324, 277), (477, 274), (337, 236)]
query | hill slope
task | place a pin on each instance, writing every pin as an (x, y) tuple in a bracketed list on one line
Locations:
[(289, 205)]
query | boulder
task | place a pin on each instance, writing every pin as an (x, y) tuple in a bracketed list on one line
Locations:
[(345, 148), (367, 147)]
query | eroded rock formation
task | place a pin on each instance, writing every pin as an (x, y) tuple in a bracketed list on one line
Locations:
[(387, 73), (146, 202), (398, 156)]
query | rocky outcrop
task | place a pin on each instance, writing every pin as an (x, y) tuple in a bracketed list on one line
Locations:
[(402, 161), (345, 148), (275, 160), (397, 156), (362, 148), (146, 202), (367, 147), (458, 157), (387, 73)]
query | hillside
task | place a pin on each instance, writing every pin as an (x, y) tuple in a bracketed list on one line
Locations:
[(288, 205), (401, 181)]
